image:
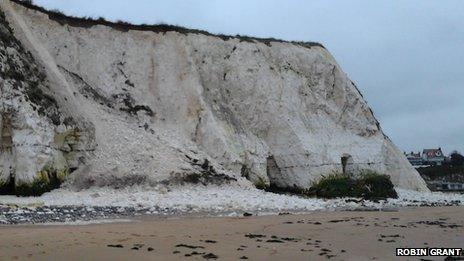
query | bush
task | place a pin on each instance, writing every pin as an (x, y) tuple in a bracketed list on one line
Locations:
[(333, 186), (261, 184), (372, 185), (369, 185)]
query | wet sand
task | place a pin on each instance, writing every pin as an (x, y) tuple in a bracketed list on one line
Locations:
[(341, 235)]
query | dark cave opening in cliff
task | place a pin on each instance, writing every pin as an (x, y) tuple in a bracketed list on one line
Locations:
[(273, 171)]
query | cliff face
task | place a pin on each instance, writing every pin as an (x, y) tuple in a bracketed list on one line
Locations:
[(123, 105)]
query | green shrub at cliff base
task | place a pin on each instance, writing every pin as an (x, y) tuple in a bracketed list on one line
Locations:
[(333, 186), (369, 185), (47, 180), (261, 184)]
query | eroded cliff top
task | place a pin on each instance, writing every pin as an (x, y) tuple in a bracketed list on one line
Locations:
[(124, 26)]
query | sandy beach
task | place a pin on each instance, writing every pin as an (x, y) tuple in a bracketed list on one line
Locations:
[(341, 235)]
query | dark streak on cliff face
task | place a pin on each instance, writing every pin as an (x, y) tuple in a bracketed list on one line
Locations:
[(159, 28), (22, 71)]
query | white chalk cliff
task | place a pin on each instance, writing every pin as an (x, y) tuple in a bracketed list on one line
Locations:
[(114, 104)]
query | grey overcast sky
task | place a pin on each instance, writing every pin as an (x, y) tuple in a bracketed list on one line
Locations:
[(406, 57)]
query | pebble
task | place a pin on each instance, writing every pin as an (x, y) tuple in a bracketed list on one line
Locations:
[(12, 215)]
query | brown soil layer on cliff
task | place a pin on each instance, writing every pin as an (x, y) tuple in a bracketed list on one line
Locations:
[(316, 236)]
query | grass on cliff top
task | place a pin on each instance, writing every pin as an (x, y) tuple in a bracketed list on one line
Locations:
[(369, 185), (87, 22)]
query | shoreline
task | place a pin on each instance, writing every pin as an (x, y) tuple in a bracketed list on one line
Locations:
[(186, 216), (105, 203), (140, 216), (317, 235), (237, 214)]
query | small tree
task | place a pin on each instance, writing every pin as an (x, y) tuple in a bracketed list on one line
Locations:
[(457, 159)]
